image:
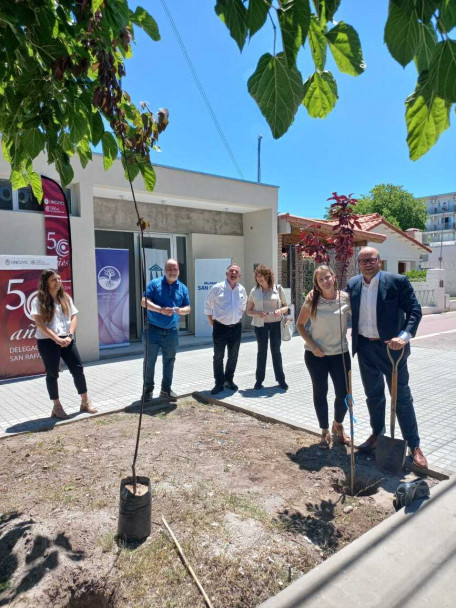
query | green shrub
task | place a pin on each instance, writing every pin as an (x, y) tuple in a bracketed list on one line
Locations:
[(416, 276)]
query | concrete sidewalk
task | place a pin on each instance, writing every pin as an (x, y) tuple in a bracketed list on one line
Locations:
[(117, 383), (407, 560)]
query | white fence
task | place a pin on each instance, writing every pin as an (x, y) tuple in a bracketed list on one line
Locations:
[(431, 293)]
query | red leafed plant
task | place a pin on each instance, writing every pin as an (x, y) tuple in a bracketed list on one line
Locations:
[(342, 210)]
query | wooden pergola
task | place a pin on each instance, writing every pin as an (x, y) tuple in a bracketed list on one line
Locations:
[(299, 266)]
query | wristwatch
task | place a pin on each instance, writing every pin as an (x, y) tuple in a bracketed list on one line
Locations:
[(71, 336)]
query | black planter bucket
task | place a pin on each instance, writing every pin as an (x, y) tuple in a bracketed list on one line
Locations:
[(134, 511)]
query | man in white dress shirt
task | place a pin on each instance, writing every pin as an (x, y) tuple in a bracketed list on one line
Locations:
[(385, 312), (224, 306)]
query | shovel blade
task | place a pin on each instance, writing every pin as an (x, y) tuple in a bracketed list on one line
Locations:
[(390, 454)]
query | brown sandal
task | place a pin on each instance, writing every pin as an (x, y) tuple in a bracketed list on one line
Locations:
[(325, 440), (86, 408), (59, 413), (338, 433)]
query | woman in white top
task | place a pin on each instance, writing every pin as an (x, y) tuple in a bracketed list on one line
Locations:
[(266, 305), (55, 316), (325, 346)]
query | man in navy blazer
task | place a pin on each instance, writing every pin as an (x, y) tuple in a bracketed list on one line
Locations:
[(385, 311)]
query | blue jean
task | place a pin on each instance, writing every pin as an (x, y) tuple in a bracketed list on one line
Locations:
[(374, 366), (166, 340)]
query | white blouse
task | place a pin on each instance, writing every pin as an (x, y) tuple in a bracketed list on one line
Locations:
[(325, 329), (60, 323)]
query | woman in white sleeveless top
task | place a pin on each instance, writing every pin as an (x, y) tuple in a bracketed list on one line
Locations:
[(324, 349)]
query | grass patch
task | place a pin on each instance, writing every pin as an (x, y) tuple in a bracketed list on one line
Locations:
[(5, 584)]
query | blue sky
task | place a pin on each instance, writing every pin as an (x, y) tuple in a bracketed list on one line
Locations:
[(360, 144)]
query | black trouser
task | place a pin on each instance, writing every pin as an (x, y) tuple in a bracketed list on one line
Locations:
[(271, 331), (374, 365), (225, 336), (319, 369), (50, 353)]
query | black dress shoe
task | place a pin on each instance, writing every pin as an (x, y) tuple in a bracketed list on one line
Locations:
[(283, 385), (218, 388), (258, 386), (369, 445), (230, 384), (168, 395)]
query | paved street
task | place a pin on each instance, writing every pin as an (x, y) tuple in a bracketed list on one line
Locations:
[(116, 383)]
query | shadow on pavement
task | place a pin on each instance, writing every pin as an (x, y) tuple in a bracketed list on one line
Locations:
[(266, 391), (39, 425), (152, 407)]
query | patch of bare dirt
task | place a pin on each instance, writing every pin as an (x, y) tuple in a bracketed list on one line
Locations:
[(254, 506)]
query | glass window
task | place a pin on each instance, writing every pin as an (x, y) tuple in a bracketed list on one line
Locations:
[(27, 200), (6, 195)]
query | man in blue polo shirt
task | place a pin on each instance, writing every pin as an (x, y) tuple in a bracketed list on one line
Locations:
[(166, 299)]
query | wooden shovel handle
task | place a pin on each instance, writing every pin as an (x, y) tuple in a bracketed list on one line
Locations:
[(395, 364)]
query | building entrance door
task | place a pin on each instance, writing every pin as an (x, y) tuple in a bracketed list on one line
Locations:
[(158, 249)]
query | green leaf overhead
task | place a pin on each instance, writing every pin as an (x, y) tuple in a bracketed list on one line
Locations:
[(65, 170), (97, 128), (61, 68), (318, 43), (149, 176), (34, 140), (145, 21), (326, 8), (234, 15), (402, 31), (110, 150), (447, 15), (278, 90), (425, 9), (426, 46), (426, 116), (346, 49), (294, 20), (320, 94), (35, 182), (257, 13), (443, 70)]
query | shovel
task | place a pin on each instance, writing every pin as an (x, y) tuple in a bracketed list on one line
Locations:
[(390, 453)]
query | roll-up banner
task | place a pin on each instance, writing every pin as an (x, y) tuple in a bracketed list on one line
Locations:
[(19, 277), (57, 228), (207, 274), (113, 288)]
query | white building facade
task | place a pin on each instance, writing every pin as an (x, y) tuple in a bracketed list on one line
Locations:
[(191, 215)]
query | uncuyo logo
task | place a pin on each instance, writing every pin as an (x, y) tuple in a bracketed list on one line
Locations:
[(109, 278)]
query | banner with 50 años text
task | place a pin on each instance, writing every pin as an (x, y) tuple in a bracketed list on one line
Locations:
[(57, 228), (19, 276)]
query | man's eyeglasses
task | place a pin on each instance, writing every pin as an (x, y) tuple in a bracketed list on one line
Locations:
[(367, 261)]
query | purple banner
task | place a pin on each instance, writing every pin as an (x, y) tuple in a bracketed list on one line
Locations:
[(113, 297)]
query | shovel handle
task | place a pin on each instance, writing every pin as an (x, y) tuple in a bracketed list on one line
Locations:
[(395, 364)]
